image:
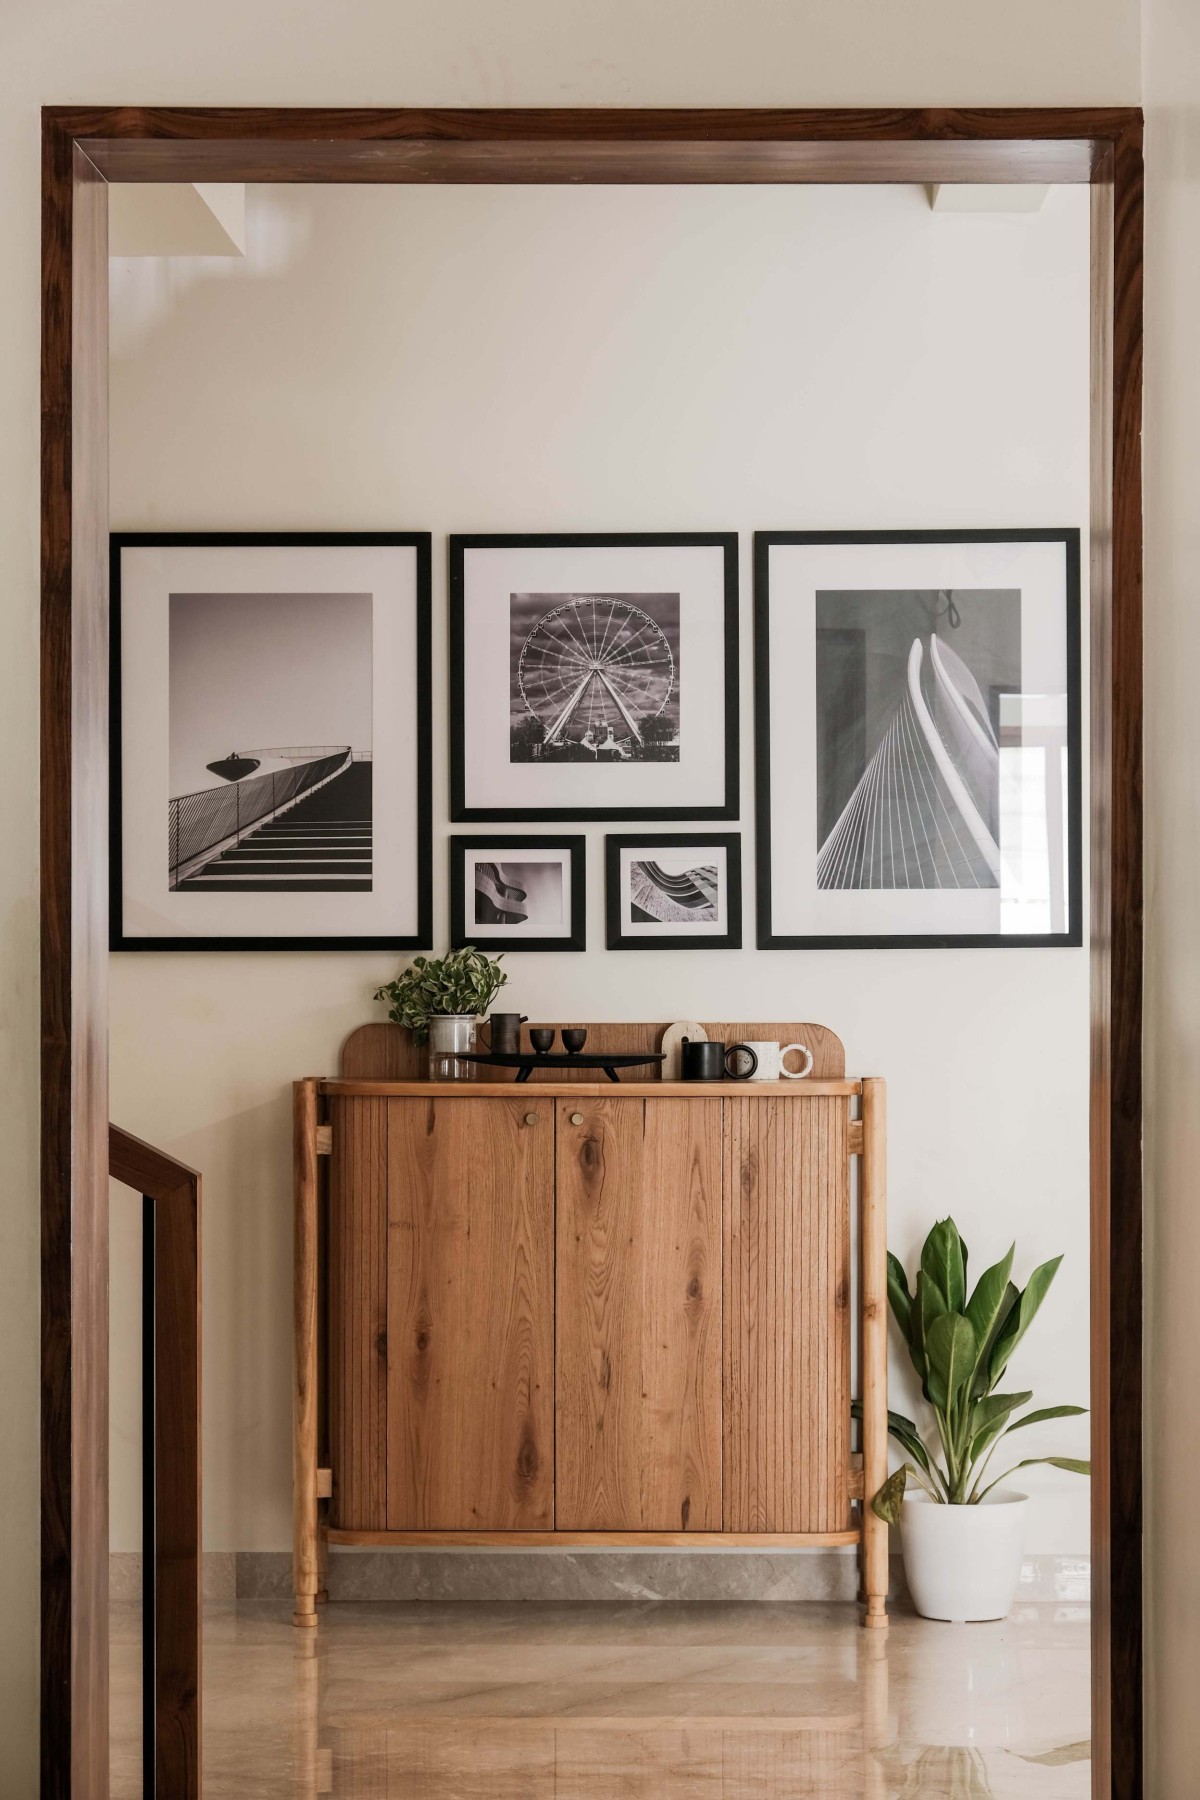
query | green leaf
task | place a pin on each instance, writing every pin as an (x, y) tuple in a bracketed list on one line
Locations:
[(890, 1498), (986, 1307), (989, 1417), (1021, 1318), (951, 1349), (926, 1306), (995, 1406), (1072, 1464), (1047, 1412), (942, 1261), (904, 1431), (898, 1295)]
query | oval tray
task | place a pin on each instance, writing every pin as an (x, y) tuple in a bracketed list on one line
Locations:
[(526, 1061)]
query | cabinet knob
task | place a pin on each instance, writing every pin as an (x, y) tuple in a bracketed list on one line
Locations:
[(531, 1118), (577, 1118)]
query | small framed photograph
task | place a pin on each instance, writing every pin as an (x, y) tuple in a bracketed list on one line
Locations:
[(271, 741), (918, 739), (594, 677), (673, 892), (518, 893)]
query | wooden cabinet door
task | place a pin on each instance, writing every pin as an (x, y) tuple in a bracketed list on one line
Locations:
[(638, 1311), (470, 1297), (787, 1314)]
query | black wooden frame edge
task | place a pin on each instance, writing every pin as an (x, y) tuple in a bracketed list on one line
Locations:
[(616, 841), (458, 543), (574, 844), (421, 543), (766, 937)]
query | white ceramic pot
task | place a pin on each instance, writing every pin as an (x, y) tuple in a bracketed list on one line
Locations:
[(963, 1562)]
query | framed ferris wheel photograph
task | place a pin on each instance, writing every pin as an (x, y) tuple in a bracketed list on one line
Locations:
[(594, 676)]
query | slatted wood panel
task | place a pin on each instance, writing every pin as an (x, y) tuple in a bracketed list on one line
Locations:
[(786, 1315), (384, 1052), (358, 1312), (470, 1310), (639, 1315)]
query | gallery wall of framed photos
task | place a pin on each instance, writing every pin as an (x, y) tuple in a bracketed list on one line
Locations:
[(545, 376)]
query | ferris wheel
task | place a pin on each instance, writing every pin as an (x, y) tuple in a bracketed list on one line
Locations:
[(595, 668)]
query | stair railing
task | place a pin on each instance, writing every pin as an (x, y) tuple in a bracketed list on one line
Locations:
[(171, 1600)]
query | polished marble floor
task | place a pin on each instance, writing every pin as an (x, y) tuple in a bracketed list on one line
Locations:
[(628, 1702)]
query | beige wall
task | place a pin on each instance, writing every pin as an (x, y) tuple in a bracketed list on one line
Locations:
[(1172, 466), (548, 52)]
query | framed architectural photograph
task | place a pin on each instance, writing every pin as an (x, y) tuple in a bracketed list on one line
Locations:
[(917, 731), (594, 677), (271, 741), (518, 893), (673, 892)]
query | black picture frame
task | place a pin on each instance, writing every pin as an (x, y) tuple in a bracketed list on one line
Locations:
[(574, 849), (421, 543), (460, 543), (767, 938), (729, 841)]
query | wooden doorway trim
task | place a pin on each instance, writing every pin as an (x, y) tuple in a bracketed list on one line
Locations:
[(83, 147)]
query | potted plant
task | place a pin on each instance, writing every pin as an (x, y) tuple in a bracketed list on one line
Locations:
[(961, 1539), (441, 1001)]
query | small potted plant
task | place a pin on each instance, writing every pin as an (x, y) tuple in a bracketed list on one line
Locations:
[(962, 1540), (441, 1000)]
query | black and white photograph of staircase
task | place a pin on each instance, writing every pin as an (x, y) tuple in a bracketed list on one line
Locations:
[(270, 743)]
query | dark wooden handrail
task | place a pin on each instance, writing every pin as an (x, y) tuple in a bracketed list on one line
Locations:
[(170, 1462)]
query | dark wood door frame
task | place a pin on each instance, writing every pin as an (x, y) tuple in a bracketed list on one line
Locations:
[(85, 147)]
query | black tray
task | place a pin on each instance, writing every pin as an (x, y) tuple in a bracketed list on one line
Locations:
[(526, 1061)]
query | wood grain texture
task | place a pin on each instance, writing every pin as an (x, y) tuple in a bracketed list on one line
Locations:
[(1116, 969), (596, 1090), (470, 1298), (872, 1281), (305, 1370), (611, 145), (174, 1190), (597, 1540), (74, 974), (358, 1292), (638, 1315), (787, 1315), (385, 1052)]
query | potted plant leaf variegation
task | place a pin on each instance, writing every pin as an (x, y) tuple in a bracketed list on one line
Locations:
[(962, 1539), (441, 1001)]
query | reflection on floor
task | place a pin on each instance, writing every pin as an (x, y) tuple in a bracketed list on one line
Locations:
[(629, 1702)]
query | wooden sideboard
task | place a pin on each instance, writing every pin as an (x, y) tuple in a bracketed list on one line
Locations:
[(571, 1313)]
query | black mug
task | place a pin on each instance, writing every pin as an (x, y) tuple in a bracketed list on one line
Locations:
[(504, 1033), (710, 1060)]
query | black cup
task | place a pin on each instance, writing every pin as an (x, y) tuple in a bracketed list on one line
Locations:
[(542, 1038), (574, 1037), (710, 1060)]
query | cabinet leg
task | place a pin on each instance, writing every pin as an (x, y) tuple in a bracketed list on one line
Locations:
[(873, 1290), (305, 1575)]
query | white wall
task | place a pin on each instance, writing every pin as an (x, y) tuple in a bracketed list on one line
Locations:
[(550, 359), (395, 52)]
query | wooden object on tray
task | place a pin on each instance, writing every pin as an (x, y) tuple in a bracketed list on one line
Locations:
[(578, 1314)]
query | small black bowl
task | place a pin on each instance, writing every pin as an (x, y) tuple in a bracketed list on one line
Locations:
[(542, 1038), (574, 1037)]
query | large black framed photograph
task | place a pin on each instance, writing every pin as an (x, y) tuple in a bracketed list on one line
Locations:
[(918, 739), (271, 741), (673, 891), (518, 893), (594, 676)]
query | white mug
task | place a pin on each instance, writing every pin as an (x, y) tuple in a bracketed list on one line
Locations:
[(770, 1061)]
